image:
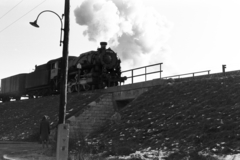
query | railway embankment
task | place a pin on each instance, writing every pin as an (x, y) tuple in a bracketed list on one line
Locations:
[(191, 115), (20, 119)]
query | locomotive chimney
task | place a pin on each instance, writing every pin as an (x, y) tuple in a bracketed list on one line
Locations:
[(103, 45)]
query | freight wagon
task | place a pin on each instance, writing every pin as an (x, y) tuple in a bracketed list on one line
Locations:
[(13, 87)]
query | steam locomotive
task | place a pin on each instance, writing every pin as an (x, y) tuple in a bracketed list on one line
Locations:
[(91, 70)]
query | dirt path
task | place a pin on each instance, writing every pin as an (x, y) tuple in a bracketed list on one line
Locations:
[(23, 151)]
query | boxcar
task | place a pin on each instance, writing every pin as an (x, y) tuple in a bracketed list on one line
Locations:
[(13, 87)]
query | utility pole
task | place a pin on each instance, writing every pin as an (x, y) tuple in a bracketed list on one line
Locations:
[(64, 67), (63, 129)]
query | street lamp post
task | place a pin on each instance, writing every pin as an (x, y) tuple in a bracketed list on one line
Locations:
[(64, 67), (63, 130)]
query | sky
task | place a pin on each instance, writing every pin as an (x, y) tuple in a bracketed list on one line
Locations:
[(185, 35)]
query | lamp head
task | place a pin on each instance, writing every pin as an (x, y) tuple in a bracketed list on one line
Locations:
[(34, 24)]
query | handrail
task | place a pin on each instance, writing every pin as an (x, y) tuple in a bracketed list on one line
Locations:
[(160, 71), (193, 73), (144, 74)]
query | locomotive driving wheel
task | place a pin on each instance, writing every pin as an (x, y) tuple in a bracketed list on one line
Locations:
[(85, 87), (74, 88)]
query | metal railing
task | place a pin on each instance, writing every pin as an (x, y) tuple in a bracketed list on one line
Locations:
[(146, 73), (193, 74)]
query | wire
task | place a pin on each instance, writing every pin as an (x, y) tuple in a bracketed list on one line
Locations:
[(11, 9), (22, 16)]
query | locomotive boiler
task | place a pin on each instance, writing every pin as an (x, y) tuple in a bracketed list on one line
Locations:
[(91, 70)]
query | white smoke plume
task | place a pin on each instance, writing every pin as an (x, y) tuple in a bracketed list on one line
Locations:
[(136, 32)]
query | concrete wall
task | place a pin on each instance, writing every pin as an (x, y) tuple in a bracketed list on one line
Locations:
[(131, 91), (92, 118)]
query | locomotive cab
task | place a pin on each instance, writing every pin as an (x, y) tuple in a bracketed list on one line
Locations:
[(55, 72), (54, 67)]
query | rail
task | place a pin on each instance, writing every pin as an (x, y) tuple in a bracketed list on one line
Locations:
[(193, 74), (144, 74)]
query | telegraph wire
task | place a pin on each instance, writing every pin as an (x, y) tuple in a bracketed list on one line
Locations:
[(11, 9), (22, 16)]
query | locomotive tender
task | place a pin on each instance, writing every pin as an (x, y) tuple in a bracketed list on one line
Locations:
[(91, 70)]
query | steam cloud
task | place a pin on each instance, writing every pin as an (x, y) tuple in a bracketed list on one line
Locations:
[(136, 32)]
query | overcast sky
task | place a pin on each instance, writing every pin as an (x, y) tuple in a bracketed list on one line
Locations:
[(185, 35)]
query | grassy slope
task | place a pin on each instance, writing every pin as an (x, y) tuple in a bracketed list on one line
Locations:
[(193, 115)]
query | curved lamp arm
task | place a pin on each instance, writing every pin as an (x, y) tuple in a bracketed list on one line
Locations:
[(36, 25)]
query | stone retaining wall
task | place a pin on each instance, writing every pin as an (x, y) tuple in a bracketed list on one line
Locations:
[(92, 117)]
